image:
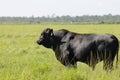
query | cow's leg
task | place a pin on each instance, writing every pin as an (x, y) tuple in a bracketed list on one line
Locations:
[(68, 58), (65, 60), (93, 59), (68, 63), (107, 65), (108, 62), (92, 65), (73, 64)]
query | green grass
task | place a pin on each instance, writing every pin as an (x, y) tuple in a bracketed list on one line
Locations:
[(22, 59)]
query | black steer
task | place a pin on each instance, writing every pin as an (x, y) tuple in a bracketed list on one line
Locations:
[(70, 47)]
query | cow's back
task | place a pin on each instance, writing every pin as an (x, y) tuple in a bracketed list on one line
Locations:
[(84, 44)]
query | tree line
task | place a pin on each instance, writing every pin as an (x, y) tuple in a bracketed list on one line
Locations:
[(72, 19)]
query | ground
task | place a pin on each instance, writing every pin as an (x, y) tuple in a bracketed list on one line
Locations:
[(21, 58)]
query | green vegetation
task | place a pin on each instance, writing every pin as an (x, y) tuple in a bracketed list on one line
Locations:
[(85, 19), (22, 59)]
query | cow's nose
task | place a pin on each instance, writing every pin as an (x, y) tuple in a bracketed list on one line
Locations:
[(38, 42)]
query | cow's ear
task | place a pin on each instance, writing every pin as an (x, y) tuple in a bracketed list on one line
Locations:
[(51, 32)]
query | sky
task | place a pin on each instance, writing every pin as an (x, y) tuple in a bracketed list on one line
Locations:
[(40, 8)]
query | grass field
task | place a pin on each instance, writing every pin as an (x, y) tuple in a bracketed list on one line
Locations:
[(22, 59)]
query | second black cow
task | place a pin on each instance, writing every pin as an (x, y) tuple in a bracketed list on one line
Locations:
[(70, 47)]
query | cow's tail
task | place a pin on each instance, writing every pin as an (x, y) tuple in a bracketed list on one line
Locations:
[(117, 59), (117, 51), (116, 48)]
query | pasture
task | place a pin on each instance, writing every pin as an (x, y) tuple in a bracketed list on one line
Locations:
[(21, 58)]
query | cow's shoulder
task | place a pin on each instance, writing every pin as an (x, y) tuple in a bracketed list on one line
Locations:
[(61, 32)]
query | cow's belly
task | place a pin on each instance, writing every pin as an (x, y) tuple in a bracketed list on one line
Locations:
[(83, 50)]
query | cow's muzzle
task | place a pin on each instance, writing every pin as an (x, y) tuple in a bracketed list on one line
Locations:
[(39, 42)]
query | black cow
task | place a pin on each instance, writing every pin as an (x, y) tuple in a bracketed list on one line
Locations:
[(70, 47)]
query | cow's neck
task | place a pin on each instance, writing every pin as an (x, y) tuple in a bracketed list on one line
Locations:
[(55, 42)]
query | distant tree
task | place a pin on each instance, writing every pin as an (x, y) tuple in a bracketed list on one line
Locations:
[(85, 18)]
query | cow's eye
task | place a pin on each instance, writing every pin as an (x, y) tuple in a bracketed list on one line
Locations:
[(45, 35)]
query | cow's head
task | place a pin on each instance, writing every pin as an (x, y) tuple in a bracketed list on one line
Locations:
[(46, 38)]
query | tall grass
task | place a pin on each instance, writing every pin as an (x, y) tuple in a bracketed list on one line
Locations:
[(22, 59)]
